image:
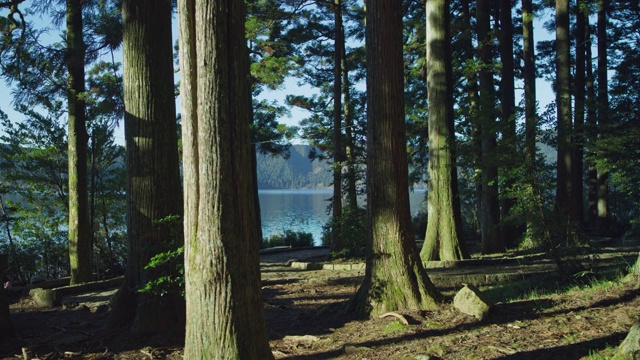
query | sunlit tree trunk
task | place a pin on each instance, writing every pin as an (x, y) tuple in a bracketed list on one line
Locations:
[(395, 278), (225, 313), (565, 189), (444, 219), (79, 230), (492, 242), (154, 191)]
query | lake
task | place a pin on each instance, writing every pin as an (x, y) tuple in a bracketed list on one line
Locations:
[(306, 210)]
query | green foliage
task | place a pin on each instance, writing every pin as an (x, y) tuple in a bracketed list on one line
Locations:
[(166, 269), (288, 238), (351, 228), (166, 283)]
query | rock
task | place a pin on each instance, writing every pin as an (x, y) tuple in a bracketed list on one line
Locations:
[(631, 344), (350, 349), (471, 301), (304, 339), (44, 297)]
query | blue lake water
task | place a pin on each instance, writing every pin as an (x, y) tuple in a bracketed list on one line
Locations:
[(306, 210)]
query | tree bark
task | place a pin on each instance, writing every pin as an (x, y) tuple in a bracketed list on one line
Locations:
[(6, 326), (395, 278), (471, 88), (508, 103), (592, 175), (579, 116), (79, 229), (349, 146), (444, 218), (531, 116), (492, 242), (336, 242), (225, 317), (565, 187), (603, 113), (153, 186)]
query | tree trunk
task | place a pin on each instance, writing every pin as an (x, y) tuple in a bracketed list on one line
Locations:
[(394, 278), (471, 89), (349, 146), (565, 188), (580, 98), (79, 230), (631, 344), (492, 242), (336, 242), (225, 318), (592, 177), (603, 113), (507, 92), (531, 117), (6, 326), (153, 186), (444, 220)]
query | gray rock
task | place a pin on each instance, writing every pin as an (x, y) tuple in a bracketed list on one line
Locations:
[(350, 349), (471, 301)]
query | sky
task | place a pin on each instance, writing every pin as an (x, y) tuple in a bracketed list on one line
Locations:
[(545, 94)]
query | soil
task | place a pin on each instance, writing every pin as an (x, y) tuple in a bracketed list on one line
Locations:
[(537, 317)]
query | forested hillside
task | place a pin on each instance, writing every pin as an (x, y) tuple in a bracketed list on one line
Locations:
[(296, 172)]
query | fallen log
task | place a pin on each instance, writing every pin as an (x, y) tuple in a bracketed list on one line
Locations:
[(52, 297)]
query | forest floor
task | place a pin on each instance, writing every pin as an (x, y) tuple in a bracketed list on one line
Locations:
[(535, 317)]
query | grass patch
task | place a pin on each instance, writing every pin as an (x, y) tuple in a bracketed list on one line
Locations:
[(393, 327)]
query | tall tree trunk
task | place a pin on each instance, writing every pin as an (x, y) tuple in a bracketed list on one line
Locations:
[(153, 186), (603, 112), (6, 326), (471, 88), (565, 188), (395, 278), (79, 230), (349, 146), (507, 92), (492, 242), (580, 97), (592, 177), (534, 218), (336, 242), (225, 314), (444, 221)]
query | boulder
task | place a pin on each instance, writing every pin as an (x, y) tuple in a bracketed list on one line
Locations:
[(44, 297), (471, 301)]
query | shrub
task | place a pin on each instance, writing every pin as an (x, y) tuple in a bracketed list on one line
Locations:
[(289, 238), (351, 228)]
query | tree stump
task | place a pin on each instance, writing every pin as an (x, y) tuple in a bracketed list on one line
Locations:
[(6, 326)]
